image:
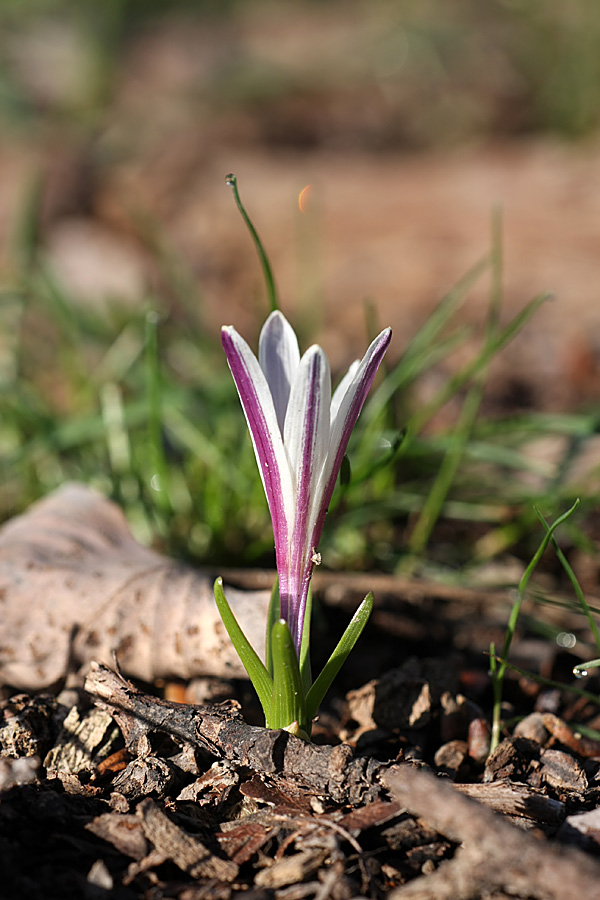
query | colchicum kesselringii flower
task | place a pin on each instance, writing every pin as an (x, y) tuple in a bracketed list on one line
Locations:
[(300, 433)]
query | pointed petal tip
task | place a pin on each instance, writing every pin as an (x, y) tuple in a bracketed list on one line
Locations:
[(275, 319), (275, 314), (314, 350)]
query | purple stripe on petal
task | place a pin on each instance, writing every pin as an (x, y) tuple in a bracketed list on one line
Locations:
[(306, 439), (260, 415), (345, 419), (300, 435)]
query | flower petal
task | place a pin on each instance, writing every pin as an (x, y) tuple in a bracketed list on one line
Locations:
[(306, 440), (259, 410), (279, 356), (340, 391), (345, 408)]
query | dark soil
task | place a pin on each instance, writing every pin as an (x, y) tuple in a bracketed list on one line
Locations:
[(113, 792)]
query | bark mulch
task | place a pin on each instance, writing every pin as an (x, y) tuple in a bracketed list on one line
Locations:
[(107, 790)]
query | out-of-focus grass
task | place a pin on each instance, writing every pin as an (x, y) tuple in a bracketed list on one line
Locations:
[(140, 403)]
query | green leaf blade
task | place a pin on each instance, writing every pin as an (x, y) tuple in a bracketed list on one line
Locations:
[(273, 615), (288, 704), (257, 672), (339, 656), (304, 662)]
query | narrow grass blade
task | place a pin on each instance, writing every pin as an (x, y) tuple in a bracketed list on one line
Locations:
[(576, 586), (461, 435), (580, 671), (472, 368), (498, 673), (159, 468), (339, 656), (550, 682), (288, 703), (442, 484), (257, 673), (441, 315)]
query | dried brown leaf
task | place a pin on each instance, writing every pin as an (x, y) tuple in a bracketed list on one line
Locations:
[(75, 585)]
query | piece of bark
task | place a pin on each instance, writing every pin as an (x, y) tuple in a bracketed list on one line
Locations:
[(452, 759), (479, 739), (212, 786), (331, 772), (29, 725), (187, 852), (76, 585), (512, 758), (147, 777), (517, 801), (532, 728), (242, 841), (402, 698), (495, 855), (123, 831), (582, 829), (373, 814), (100, 877), (561, 772), (83, 742), (291, 869), (561, 732)]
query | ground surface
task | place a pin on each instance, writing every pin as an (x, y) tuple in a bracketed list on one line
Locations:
[(107, 790), (184, 801)]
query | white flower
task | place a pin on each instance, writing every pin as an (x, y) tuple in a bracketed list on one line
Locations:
[(300, 434)]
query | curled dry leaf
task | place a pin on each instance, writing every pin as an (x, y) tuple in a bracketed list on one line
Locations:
[(75, 585)]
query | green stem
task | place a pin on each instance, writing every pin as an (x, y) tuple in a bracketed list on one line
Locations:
[(500, 669), (231, 180)]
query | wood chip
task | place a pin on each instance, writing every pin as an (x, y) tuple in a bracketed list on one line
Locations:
[(398, 699), (28, 725), (582, 829), (518, 801), (242, 842), (150, 776), (532, 728), (124, 832), (291, 869), (452, 758), (559, 730), (83, 742), (18, 771), (561, 771), (377, 813), (187, 852), (479, 737)]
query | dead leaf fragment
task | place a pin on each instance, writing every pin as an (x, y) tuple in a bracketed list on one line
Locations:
[(75, 585)]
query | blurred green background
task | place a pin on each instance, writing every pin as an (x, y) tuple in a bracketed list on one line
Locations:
[(121, 254)]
